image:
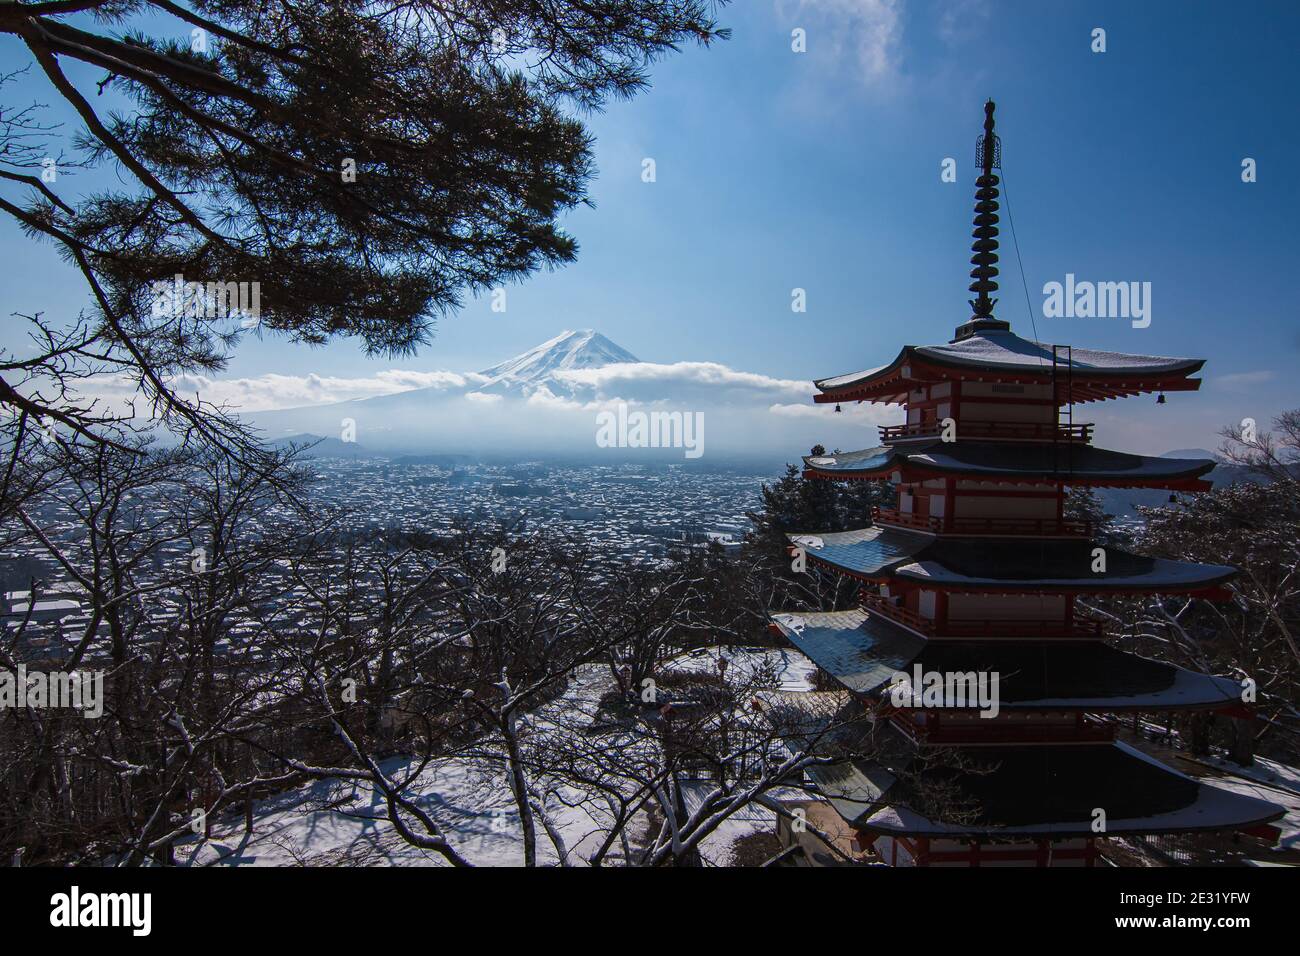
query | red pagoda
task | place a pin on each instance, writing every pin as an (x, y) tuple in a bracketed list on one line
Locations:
[(977, 571)]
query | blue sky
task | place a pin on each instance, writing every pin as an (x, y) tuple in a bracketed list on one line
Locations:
[(821, 171)]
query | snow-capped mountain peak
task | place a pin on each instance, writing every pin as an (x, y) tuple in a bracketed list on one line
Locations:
[(585, 348)]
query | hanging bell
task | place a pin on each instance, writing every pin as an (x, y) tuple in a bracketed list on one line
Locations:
[(1160, 399)]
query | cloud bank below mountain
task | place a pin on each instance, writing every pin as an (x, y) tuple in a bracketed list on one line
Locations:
[(547, 401)]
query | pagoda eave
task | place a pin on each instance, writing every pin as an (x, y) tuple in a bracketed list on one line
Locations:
[(883, 554), (863, 651), (1081, 391), (1209, 591), (1051, 792), (999, 462), (892, 384), (910, 475)]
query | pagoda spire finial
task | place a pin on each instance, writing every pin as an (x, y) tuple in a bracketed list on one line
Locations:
[(988, 156)]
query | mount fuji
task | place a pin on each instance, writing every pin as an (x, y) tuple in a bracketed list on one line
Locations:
[(538, 367)]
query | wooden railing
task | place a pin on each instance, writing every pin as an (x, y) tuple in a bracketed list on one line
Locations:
[(905, 519), (896, 613), (1079, 629), (1031, 527), (1031, 431)]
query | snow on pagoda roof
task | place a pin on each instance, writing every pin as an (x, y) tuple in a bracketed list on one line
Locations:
[(863, 651), (869, 551), (1041, 790), (997, 350), (1008, 459), (1000, 565)]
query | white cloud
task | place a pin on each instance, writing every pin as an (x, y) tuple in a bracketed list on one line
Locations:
[(682, 381), (543, 398), (579, 389), (868, 33), (275, 391), (1244, 381)]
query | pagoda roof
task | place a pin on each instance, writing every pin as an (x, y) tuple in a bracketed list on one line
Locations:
[(863, 651), (1033, 791), (1019, 461), (1001, 355), (881, 553)]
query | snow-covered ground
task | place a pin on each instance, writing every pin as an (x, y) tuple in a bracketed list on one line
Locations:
[(334, 822), (787, 667), (331, 822), (345, 822), (342, 822), (1275, 774), (1266, 780)]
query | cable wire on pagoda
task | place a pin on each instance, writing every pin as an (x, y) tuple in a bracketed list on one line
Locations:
[(1015, 241)]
